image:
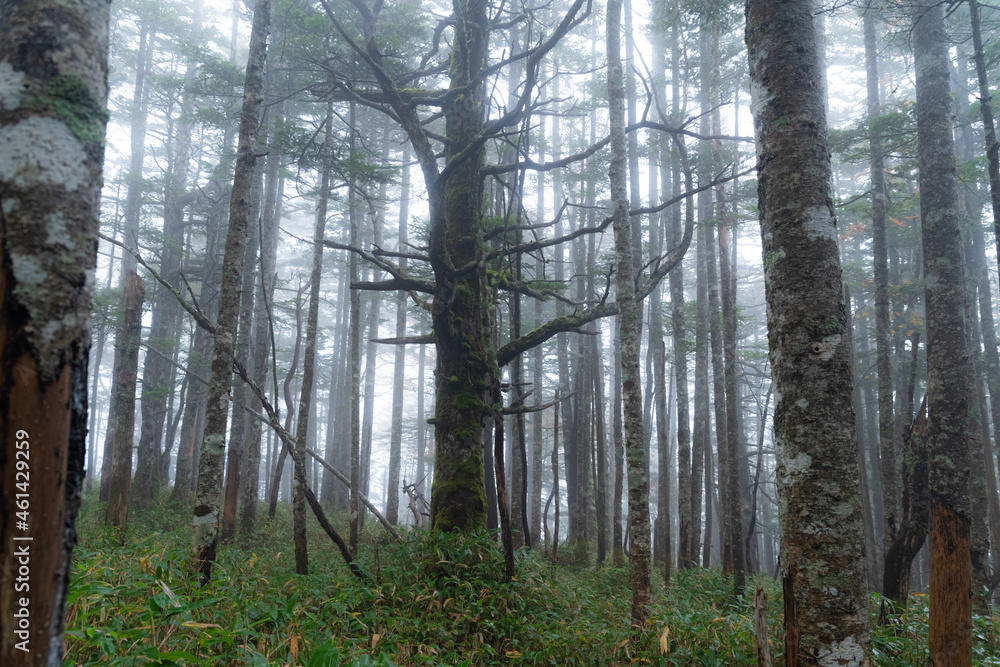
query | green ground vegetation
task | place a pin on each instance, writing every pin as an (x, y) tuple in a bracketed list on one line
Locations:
[(429, 600)]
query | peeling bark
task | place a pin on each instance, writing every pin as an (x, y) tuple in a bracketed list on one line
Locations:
[(53, 54)]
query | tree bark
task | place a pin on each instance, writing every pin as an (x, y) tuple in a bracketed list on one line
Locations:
[(240, 427), (629, 331), (822, 541), (947, 348), (205, 534), (126, 371), (250, 493), (52, 122)]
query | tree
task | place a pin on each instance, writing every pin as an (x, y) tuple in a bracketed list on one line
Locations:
[(822, 543), (53, 88), (886, 420), (205, 534), (947, 347), (125, 373), (629, 333)]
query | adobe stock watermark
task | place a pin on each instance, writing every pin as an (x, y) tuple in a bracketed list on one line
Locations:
[(22, 541)]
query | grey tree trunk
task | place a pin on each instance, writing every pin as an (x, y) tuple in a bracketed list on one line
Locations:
[(822, 540), (125, 373), (986, 111), (133, 202), (883, 342), (676, 279), (240, 428), (309, 357), (250, 492), (354, 360), (947, 348), (629, 326), (399, 362), (205, 534), (52, 121)]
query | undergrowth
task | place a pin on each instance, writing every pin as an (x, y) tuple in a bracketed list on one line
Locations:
[(428, 600)]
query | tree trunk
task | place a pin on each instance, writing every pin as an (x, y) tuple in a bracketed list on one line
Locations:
[(947, 347), (629, 331), (279, 467), (309, 357), (399, 362), (250, 493), (126, 371), (871, 562), (914, 516), (133, 204), (240, 427), (986, 111), (354, 355), (52, 122), (206, 511), (822, 541), (883, 343)]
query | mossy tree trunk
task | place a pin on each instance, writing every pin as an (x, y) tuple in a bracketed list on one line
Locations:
[(629, 331), (822, 541), (205, 526), (53, 89)]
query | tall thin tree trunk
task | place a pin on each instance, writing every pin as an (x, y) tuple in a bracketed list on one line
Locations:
[(354, 358), (399, 361), (240, 427), (126, 370), (883, 343), (133, 205), (986, 111), (309, 357), (206, 510), (629, 331), (947, 347), (676, 279), (250, 493)]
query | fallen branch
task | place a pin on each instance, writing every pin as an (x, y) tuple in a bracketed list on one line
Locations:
[(343, 478)]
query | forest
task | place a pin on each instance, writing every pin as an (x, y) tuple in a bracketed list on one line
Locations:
[(547, 332)]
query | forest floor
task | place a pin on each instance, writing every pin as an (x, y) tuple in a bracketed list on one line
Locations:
[(428, 600)]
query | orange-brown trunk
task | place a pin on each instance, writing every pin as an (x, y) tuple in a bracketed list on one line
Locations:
[(951, 580)]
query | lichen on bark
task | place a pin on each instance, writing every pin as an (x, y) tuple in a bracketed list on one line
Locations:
[(822, 543)]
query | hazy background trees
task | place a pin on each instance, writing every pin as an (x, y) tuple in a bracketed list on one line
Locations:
[(364, 122)]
